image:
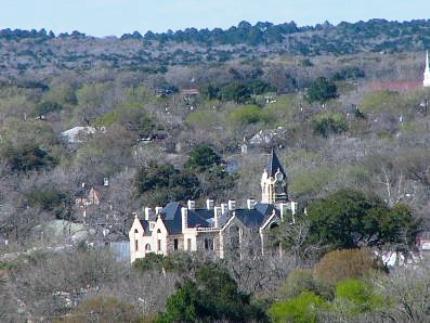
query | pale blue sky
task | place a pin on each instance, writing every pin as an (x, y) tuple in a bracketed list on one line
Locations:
[(115, 17)]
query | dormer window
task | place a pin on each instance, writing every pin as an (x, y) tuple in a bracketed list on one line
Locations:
[(136, 231), (151, 226)]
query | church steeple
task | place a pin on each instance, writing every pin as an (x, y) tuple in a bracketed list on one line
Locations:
[(426, 82), (274, 187), (274, 165)]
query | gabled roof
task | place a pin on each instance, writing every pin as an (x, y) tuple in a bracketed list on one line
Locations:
[(255, 218), (172, 217), (204, 218), (274, 165), (145, 226)]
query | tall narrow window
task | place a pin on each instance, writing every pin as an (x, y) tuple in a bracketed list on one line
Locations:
[(136, 245), (159, 245), (207, 244), (175, 244), (189, 244)]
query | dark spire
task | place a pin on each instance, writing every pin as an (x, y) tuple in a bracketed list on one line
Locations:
[(274, 165)]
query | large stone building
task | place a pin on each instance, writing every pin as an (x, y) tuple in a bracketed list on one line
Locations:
[(220, 231)]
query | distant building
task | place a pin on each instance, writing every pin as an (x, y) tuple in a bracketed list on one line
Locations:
[(222, 231), (86, 197), (423, 241), (190, 92), (90, 195), (426, 82), (78, 134), (398, 86)]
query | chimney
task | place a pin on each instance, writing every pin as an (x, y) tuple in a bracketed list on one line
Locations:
[(184, 217), (210, 204), (148, 212), (223, 208), (217, 215), (191, 205), (232, 205), (105, 181), (283, 208), (158, 210), (83, 185), (294, 207), (250, 203)]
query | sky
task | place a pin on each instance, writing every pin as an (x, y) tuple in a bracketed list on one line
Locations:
[(116, 17)]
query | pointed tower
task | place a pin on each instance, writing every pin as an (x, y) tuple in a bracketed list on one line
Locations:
[(274, 186), (426, 82)]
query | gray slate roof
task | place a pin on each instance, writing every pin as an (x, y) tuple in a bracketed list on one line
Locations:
[(254, 218), (274, 164), (203, 218), (171, 216)]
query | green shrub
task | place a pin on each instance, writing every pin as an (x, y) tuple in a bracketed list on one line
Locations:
[(46, 198), (27, 157), (327, 123), (202, 158), (301, 309), (355, 296), (214, 296), (322, 90), (249, 114)]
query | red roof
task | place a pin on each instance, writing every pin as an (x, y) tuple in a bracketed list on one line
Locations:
[(395, 85)]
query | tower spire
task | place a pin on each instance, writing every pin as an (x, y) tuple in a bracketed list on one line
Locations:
[(274, 186), (426, 82)]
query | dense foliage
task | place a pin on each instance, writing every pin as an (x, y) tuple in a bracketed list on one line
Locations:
[(164, 183), (348, 219), (322, 90), (213, 296)]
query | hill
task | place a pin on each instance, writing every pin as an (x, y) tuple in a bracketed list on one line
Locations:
[(21, 50)]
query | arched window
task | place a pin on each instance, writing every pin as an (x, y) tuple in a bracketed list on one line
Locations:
[(136, 231), (147, 247), (136, 245), (234, 236), (234, 233), (209, 245), (273, 226), (158, 231), (273, 240)]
